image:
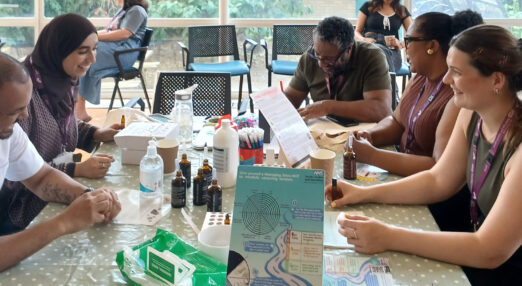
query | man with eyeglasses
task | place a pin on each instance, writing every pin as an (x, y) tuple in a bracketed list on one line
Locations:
[(345, 78)]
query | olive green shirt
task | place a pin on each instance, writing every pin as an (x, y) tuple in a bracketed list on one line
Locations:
[(366, 70), (489, 191)]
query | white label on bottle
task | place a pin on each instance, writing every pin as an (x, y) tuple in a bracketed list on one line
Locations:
[(221, 159), (151, 182)]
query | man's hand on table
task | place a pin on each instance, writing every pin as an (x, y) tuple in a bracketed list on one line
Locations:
[(314, 110), (88, 209)]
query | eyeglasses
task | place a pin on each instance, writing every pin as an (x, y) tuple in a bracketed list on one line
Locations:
[(408, 40), (330, 62)]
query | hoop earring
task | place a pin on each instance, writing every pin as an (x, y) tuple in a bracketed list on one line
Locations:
[(429, 52)]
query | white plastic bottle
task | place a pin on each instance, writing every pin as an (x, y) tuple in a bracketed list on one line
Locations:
[(226, 154), (151, 180)]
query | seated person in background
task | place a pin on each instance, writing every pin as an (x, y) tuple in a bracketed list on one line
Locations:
[(378, 19), (344, 78), (19, 161), (421, 126), (125, 31), (484, 152), (63, 53)]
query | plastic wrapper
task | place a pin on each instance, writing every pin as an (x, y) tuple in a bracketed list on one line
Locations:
[(132, 261)]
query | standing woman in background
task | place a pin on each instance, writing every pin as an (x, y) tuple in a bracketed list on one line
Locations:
[(125, 31), (378, 19)]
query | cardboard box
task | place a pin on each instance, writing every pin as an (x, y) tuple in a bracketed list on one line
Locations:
[(137, 135), (132, 156)]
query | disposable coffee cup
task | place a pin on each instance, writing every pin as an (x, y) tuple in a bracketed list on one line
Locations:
[(323, 159), (168, 150), (388, 40)]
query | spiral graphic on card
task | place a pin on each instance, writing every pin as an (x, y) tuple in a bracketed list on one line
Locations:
[(261, 213)]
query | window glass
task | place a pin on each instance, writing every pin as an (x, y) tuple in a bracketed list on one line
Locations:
[(498, 9), (19, 41), (157, 9), (280, 9), (16, 8)]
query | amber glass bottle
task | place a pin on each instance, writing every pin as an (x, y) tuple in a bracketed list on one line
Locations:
[(178, 195), (185, 166), (214, 196), (350, 168), (207, 172), (336, 192), (122, 122), (199, 189)]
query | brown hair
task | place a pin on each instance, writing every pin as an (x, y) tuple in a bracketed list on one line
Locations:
[(494, 49), (396, 6), (129, 3)]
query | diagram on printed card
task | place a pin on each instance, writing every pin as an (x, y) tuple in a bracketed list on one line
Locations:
[(277, 230)]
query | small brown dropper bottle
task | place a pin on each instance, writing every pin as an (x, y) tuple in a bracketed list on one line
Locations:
[(349, 166), (214, 196), (178, 193), (185, 167)]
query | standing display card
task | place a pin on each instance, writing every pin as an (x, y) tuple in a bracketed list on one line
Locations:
[(277, 229)]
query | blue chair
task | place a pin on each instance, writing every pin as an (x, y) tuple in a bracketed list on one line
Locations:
[(131, 72), (216, 41), (287, 40)]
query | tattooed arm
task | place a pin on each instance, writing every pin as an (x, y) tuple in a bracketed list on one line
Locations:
[(52, 185), (84, 210)]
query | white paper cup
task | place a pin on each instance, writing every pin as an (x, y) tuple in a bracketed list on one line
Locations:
[(215, 241)]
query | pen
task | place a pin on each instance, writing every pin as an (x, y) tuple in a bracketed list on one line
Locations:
[(281, 85)]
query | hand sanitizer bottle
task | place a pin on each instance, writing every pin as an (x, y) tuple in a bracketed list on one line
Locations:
[(151, 180)]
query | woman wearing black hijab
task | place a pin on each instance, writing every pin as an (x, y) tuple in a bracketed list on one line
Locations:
[(63, 53)]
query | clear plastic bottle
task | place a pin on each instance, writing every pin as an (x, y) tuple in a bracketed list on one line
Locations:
[(183, 114), (151, 179), (226, 154)]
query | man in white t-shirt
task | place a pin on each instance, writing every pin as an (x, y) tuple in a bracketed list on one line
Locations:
[(19, 161)]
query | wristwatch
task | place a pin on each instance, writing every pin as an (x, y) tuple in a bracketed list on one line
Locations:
[(88, 190)]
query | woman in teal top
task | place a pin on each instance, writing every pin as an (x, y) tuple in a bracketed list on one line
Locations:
[(485, 72)]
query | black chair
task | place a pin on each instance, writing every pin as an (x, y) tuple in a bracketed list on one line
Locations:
[(216, 41), (211, 97), (131, 72), (287, 40)]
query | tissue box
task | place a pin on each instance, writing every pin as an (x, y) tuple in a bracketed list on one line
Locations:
[(133, 157), (137, 135)]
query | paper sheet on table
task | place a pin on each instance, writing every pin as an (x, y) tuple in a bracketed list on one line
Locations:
[(132, 213), (288, 126), (332, 136), (360, 271), (332, 237)]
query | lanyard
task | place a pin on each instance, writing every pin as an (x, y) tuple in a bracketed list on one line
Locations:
[(38, 85), (475, 187), (412, 122), (113, 24), (333, 93)]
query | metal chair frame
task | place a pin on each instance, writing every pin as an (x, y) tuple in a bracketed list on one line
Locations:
[(131, 73)]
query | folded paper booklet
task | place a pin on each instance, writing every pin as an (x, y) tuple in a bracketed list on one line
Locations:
[(137, 135)]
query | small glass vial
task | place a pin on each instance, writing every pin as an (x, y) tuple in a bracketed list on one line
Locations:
[(214, 196), (349, 166), (122, 121), (336, 192), (199, 189), (179, 191), (207, 172), (185, 167), (227, 219)]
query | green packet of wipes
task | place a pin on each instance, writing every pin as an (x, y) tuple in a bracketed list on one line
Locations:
[(133, 262)]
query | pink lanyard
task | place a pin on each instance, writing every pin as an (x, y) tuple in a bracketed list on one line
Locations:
[(413, 122), (38, 85), (475, 187), (115, 20), (333, 93)]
